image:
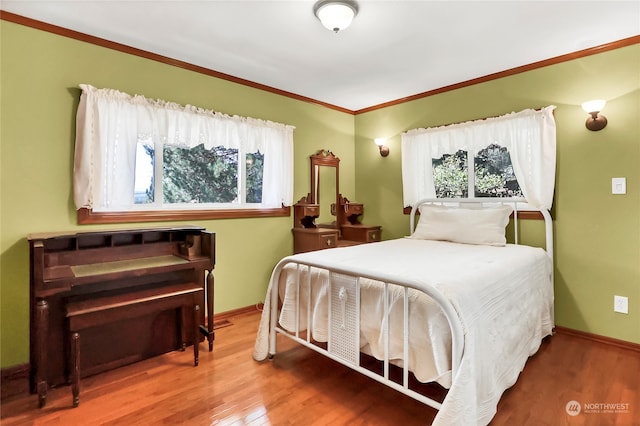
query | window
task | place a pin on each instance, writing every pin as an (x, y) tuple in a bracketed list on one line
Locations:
[(197, 176), (491, 176), (508, 156), (494, 176), (138, 155)]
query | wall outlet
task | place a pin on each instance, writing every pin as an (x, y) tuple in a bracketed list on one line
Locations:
[(621, 304)]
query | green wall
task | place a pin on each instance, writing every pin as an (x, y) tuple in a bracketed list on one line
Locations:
[(597, 234), (40, 73)]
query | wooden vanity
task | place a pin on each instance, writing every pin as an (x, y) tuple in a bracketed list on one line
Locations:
[(341, 227), (350, 227)]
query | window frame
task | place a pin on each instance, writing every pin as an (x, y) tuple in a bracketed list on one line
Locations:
[(88, 216), (471, 155), (159, 182), (471, 181), (109, 123)]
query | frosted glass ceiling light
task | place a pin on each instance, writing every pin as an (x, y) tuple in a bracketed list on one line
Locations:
[(335, 15)]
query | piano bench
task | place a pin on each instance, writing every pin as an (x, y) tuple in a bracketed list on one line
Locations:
[(108, 309)]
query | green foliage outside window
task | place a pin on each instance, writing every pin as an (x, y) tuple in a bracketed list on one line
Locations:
[(255, 165), (493, 174), (200, 175), (450, 175)]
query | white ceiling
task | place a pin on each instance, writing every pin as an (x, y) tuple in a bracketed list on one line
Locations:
[(392, 50)]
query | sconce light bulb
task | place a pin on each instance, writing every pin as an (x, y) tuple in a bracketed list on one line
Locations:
[(384, 150), (592, 106)]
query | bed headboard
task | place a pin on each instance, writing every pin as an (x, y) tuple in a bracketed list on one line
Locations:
[(516, 203)]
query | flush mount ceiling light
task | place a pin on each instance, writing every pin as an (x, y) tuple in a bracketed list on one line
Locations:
[(335, 15)]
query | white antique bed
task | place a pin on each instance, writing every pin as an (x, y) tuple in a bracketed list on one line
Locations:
[(452, 303)]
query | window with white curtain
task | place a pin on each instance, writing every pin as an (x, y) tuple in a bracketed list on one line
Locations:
[(513, 155), (138, 154)]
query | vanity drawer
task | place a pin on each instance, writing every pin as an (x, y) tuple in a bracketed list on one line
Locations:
[(311, 210), (353, 209), (361, 233), (328, 240), (310, 239), (373, 235)]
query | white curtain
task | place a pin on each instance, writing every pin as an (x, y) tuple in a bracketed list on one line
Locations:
[(110, 123), (529, 135)]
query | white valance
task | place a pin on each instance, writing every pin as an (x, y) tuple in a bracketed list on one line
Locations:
[(110, 123), (529, 135)]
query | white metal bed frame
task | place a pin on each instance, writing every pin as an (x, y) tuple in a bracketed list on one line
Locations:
[(349, 356)]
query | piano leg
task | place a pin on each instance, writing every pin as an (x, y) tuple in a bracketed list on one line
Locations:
[(181, 322), (196, 337), (42, 330), (210, 334), (75, 368)]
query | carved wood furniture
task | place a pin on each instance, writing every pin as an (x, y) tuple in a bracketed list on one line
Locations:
[(307, 236), (116, 297), (320, 204), (305, 213), (310, 239), (325, 182), (350, 226)]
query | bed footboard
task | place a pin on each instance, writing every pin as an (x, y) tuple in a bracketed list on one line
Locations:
[(343, 331)]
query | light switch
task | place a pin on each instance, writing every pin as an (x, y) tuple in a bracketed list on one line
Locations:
[(619, 185)]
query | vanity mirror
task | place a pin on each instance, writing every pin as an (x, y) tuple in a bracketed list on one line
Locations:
[(325, 178), (324, 218)]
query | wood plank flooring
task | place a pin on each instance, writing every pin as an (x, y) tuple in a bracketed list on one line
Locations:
[(301, 387)]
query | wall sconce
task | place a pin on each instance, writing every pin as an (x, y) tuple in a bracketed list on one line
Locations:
[(384, 150), (597, 121)]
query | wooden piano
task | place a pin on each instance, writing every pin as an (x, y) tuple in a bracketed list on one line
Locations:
[(125, 289)]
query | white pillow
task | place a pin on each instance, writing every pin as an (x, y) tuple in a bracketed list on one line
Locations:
[(463, 225)]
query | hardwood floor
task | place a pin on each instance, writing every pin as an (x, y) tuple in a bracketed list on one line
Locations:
[(301, 387)]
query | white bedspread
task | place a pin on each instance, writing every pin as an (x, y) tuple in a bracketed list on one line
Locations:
[(503, 297)]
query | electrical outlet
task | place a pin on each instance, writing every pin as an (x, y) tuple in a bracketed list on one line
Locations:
[(621, 304)]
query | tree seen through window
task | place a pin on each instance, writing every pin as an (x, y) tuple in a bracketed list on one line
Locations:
[(198, 175), (493, 174)]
